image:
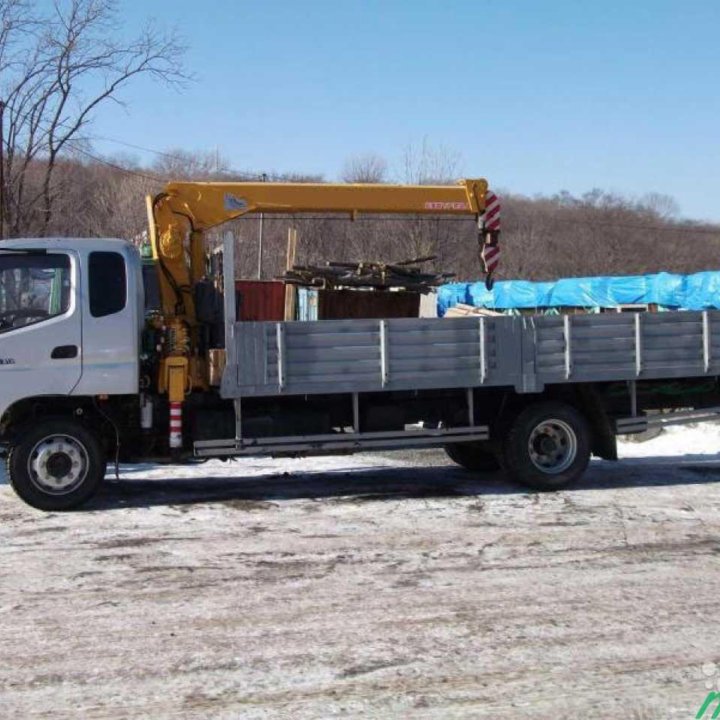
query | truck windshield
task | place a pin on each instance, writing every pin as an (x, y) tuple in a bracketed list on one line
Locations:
[(33, 288)]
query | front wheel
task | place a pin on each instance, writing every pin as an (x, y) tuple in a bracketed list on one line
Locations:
[(56, 465), (547, 446)]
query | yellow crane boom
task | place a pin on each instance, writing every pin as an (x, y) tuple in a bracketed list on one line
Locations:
[(184, 211)]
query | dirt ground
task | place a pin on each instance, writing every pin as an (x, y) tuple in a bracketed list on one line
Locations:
[(382, 587)]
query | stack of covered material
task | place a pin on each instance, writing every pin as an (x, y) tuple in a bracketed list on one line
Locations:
[(667, 291)]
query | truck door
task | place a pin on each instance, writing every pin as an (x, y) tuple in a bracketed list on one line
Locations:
[(40, 325)]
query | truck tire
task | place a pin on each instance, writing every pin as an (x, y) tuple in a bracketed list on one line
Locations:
[(547, 446), (56, 465), (474, 456)]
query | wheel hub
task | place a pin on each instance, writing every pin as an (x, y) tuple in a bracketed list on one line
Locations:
[(552, 446), (547, 445), (58, 464)]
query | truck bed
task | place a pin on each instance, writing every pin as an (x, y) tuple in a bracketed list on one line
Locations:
[(525, 353)]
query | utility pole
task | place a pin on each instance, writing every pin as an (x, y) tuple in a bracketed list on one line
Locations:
[(2, 172), (264, 178)]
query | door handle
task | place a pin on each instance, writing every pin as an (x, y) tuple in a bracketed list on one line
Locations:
[(64, 352)]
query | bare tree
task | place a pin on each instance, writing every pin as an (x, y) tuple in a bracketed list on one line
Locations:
[(116, 206), (57, 70), (662, 206), (178, 164), (430, 165), (367, 168)]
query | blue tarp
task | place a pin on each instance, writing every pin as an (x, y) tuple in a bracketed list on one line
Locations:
[(700, 291)]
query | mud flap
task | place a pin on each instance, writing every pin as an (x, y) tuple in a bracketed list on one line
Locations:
[(604, 441)]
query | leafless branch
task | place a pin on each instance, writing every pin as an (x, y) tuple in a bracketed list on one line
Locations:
[(57, 69)]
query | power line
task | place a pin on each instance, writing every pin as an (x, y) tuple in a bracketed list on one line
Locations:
[(112, 165), (247, 174), (136, 147)]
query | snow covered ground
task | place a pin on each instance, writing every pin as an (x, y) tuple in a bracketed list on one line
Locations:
[(369, 586)]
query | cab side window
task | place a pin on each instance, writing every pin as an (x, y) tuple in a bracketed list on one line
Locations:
[(108, 283), (34, 286)]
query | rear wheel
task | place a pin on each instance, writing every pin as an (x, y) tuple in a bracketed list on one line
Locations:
[(56, 465), (475, 456), (547, 446)]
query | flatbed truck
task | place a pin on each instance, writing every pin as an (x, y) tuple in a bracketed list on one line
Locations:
[(93, 372)]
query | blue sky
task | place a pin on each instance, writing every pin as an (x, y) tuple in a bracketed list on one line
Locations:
[(536, 96)]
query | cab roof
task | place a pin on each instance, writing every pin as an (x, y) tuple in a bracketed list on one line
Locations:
[(65, 243)]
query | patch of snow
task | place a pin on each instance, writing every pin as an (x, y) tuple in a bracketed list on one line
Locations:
[(676, 441)]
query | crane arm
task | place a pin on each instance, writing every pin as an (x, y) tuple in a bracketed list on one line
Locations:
[(188, 209), (206, 205)]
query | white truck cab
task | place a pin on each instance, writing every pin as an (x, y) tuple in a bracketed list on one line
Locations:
[(70, 318), (71, 315)]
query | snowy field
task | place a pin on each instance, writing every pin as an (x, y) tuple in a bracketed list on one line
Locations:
[(393, 586)]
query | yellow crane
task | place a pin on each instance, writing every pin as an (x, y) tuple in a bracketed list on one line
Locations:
[(180, 216)]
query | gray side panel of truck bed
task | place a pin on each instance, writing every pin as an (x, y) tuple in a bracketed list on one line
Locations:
[(526, 353)]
